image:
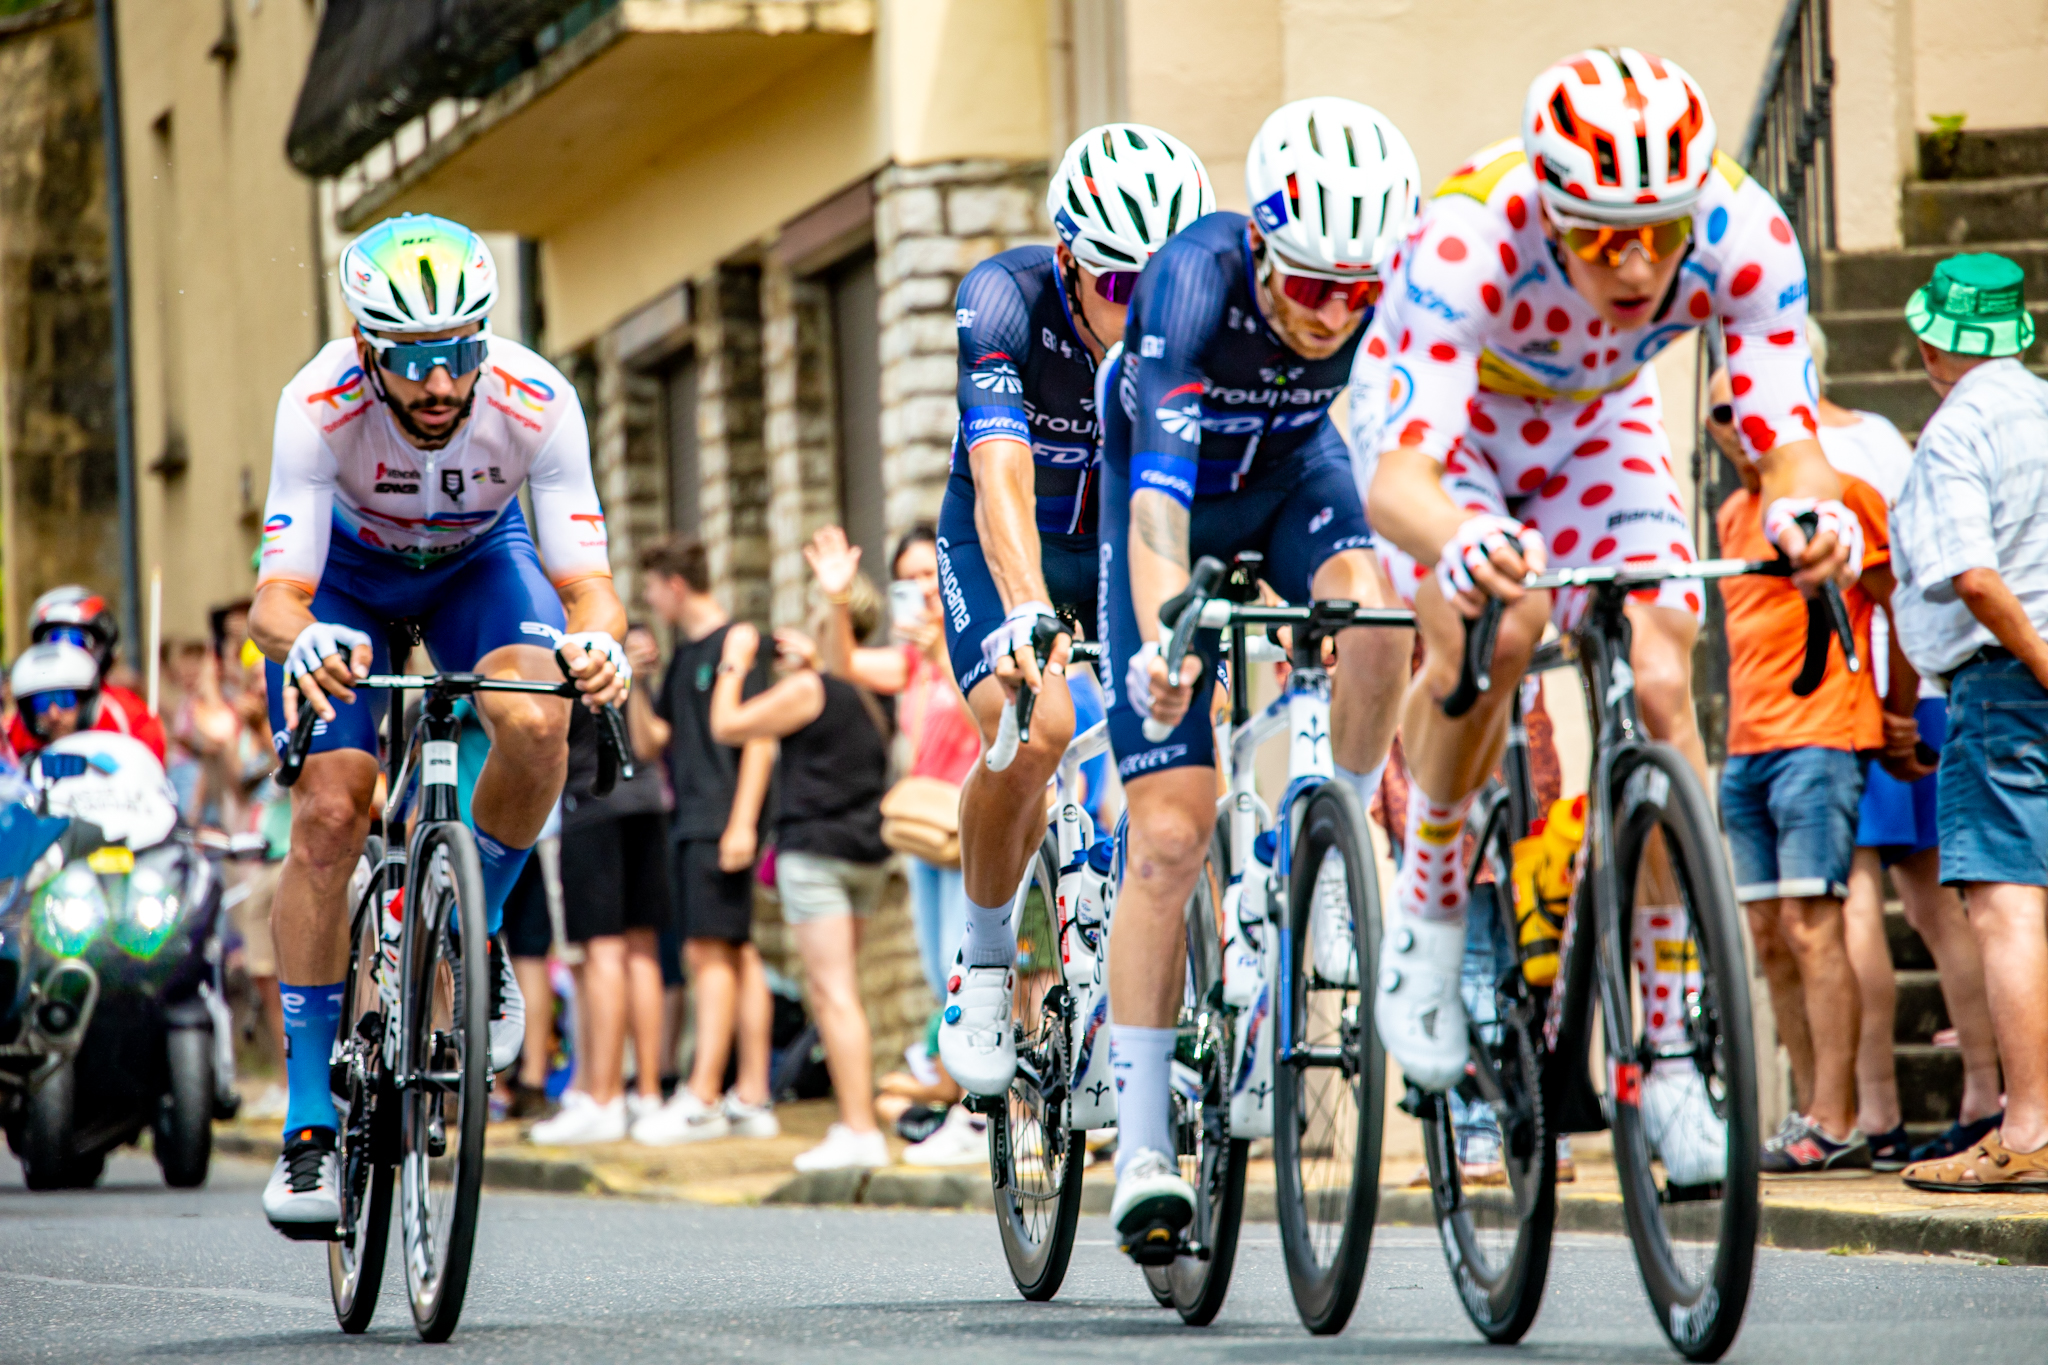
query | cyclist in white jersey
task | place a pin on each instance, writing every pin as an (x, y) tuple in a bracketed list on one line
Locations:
[(1519, 424), (397, 460)]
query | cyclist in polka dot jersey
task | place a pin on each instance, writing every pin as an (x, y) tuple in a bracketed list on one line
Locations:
[(1508, 393)]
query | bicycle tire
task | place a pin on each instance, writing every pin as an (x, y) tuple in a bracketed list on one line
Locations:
[(1325, 1268), (355, 1259), (1655, 791), (446, 960), (1029, 1141), (1212, 1161), (1497, 1242)]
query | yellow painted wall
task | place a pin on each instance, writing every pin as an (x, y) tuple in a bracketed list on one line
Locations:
[(966, 78), (224, 278), (1985, 58), (1207, 71)]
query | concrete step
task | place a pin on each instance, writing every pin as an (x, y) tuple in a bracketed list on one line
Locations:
[(1884, 279), (1930, 1082), (1958, 213), (1906, 399), (1983, 155), (1878, 341), (1921, 1012), (1909, 953)]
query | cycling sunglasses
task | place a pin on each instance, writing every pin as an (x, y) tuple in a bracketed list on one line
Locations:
[(415, 360), (1609, 245), (1117, 285), (1313, 291), (67, 635), (64, 700)]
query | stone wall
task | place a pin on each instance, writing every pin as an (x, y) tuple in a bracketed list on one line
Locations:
[(798, 431), (732, 455), (62, 519), (628, 461), (932, 225)]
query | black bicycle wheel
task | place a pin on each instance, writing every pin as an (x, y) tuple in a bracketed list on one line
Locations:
[(1495, 1215), (1034, 1159), (363, 1098), (1195, 1284), (446, 1069), (1330, 1073), (1695, 1244)]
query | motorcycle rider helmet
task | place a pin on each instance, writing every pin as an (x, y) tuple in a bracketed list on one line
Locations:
[(1333, 187), (1617, 136), (52, 680), (1121, 190), (76, 615)]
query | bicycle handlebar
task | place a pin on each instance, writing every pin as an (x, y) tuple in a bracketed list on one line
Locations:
[(1014, 732), (1180, 616), (614, 751), (1827, 617)]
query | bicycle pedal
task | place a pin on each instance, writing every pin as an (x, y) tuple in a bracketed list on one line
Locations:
[(1419, 1103), (1155, 1244)]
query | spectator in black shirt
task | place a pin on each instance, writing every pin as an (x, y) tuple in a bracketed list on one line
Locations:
[(715, 833), (830, 862)]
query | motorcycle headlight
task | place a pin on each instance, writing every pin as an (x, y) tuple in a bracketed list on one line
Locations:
[(149, 912), (70, 911)]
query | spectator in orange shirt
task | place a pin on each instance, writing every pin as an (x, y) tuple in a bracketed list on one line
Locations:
[(1789, 803)]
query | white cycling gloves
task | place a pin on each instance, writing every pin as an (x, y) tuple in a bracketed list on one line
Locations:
[(317, 642), (1471, 545), (1834, 516), (599, 642), (1014, 633)]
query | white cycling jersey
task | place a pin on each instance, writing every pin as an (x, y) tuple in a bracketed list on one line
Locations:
[(340, 464)]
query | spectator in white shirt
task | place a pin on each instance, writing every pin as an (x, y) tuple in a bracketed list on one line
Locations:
[(1970, 548)]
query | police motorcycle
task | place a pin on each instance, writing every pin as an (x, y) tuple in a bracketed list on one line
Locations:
[(112, 1019)]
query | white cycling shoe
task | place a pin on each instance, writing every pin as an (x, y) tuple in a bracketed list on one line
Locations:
[(508, 1011), (1332, 930), (1152, 1208), (1420, 1016), (977, 1043), (1682, 1127), (303, 1198)]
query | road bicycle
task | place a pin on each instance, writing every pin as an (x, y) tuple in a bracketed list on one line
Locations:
[(411, 1063), (1650, 836)]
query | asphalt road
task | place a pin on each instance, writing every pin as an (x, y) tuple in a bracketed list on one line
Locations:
[(132, 1271)]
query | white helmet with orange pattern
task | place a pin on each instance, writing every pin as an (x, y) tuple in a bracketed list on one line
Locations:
[(1618, 136)]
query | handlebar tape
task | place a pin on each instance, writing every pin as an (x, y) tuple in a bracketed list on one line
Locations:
[(1181, 616)]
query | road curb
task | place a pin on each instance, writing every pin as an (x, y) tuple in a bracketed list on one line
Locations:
[(2019, 1238)]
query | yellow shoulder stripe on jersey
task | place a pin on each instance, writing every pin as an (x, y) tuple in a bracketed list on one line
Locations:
[(1730, 172), (1488, 165), (1498, 375)]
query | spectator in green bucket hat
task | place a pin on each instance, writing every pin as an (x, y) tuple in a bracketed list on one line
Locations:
[(1973, 307)]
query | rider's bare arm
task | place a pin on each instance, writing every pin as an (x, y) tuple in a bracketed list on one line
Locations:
[(1159, 555), (1006, 520)]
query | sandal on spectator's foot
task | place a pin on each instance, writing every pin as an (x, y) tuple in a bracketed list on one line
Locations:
[(1986, 1166), (1957, 1137), (1890, 1151)]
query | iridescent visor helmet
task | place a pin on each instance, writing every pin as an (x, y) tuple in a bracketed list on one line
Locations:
[(417, 275)]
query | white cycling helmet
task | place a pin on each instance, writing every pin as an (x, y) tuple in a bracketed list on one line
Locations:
[(55, 674), (416, 274), (1333, 186), (1121, 190), (1618, 136)]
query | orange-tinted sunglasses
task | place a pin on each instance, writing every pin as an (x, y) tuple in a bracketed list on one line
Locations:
[(1608, 245)]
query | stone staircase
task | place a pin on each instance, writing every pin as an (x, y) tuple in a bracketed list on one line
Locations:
[(1930, 1077), (1986, 192)]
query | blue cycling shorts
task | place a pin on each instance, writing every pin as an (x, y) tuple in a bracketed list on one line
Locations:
[(1298, 512), (493, 593), (967, 590)]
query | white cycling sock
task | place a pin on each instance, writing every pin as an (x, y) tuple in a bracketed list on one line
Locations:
[(1363, 785), (1431, 883), (991, 937), (1141, 1060), (1668, 966)]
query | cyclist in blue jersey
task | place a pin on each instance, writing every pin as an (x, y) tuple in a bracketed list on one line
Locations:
[(1016, 533), (396, 464), (1218, 440)]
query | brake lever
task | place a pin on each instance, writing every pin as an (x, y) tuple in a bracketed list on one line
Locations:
[(1181, 614), (1014, 731), (292, 762), (614, 746), (1475, 674)]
